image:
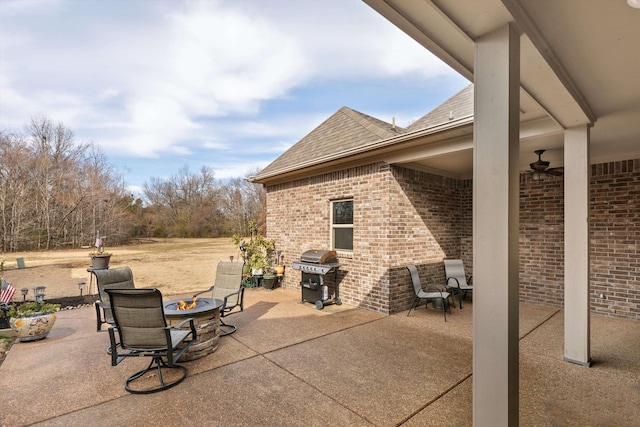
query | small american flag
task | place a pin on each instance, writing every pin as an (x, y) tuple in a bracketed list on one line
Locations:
[(7, 292)]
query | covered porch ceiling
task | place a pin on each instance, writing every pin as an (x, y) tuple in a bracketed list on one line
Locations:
[(579, 65)]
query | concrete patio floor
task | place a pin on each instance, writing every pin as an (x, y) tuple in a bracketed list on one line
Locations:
[(292, 365)]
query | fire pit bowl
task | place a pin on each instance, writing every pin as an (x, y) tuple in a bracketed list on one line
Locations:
[(203, 305), (206, 317)]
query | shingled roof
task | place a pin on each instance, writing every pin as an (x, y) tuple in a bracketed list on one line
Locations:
[(458, 106), (348, 130), (345, 130)]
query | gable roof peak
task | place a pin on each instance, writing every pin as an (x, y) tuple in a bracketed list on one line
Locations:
[(344, 131), (379, 127)]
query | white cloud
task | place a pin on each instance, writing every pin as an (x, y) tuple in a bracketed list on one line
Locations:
[(348, 39), (233, 59), (156, 78), (291, 125), (240, 170)]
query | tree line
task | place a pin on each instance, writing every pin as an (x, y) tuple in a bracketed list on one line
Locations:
[(58, 193)]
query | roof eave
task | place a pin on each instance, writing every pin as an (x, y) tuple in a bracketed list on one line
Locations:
[(368, 150)]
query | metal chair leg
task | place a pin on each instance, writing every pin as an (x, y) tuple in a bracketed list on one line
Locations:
[(415, 300), (159, 365), (224, 333)]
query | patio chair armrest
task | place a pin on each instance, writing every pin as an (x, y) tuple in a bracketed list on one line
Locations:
[(115, 357), (99, 306), (435, 289), (192, 327), (181, 324), (457, 284), (241, 299), (224, 304), (202, 292)]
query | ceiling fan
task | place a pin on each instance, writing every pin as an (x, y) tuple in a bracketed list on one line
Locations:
[(540, 166)]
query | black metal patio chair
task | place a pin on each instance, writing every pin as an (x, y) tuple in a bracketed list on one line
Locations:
[(229, 289), (115, 278), (457, 281), (431, 294), (139, 320)]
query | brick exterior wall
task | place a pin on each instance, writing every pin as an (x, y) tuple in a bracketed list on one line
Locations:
[(403, 216), (426, 227), (542, 240), (615, 240), (298, 219)]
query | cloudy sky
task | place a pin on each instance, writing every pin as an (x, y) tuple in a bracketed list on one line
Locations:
[(230, 84)]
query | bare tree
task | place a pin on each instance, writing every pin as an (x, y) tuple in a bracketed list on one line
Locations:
[(185, 205), (14, 168), (242, 201), (55, 192), (56, 160)]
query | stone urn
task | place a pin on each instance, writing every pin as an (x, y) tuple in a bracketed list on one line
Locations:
[(34, 327), (100, 262)]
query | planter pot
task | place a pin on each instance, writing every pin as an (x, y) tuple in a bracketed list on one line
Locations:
[(34, 327), (100, 262), (246, 269), (279, 269), (267, 282), (437, 303), (256, 272)]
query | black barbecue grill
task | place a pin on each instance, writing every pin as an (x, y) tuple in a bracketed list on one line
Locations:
[(315, 265)]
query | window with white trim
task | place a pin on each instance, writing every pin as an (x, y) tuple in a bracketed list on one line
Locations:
[(342, 225)]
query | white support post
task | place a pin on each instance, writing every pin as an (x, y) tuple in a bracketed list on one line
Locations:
[(495, 229), (577, 174)]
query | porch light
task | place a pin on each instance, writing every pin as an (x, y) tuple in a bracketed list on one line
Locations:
[(634, 3)]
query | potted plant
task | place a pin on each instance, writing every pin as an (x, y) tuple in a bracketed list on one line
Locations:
[(242, 247), (268, 279), (275, 268), (256, 254), (259, 249), (257, 258), (99, 258), (247, 279), (279, 269), (32, 321)]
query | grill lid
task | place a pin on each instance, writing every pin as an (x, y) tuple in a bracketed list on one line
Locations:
[(319, 256)]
